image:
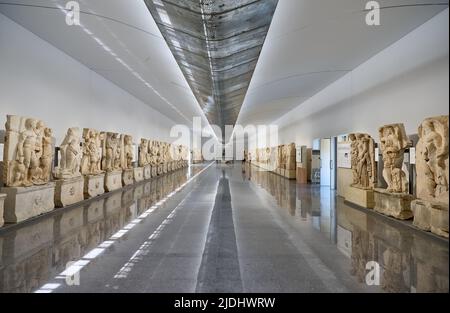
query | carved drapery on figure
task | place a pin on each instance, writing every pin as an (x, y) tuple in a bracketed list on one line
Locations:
[(127, 152), (432, 160), (111, 159), (92, 152), (363, 161), (144, 153), (393, 145), (28, 152), (71, 155)]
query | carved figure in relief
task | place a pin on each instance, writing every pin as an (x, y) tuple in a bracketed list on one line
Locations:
[(128, 152), (71, 155), (432, 159), (363, 161), (393, 144), (143, 152), (92, 154), (112, 151), (47, 156)]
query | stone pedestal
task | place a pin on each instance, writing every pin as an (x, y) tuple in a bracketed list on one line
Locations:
[(94, 185), (138, 174), (128, 177), (431, 216), (165, 167), (69, 191), (113, 180), (361, 197), (147, 172), (2, 203), (154, 170), (22, 203), (160, 169), (397, 205)]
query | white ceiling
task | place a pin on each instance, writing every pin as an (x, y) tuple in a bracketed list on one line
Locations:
[(310, 44)]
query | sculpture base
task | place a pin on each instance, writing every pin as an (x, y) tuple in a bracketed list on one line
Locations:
[(159, 170), (431, 216), (113, 180), (94, 185), (147, 172), (361, 197), (22, 203), (397, 205), (138, 174), (154, 170), (165, 168), (128, 177), (69, 191), (2, 205)]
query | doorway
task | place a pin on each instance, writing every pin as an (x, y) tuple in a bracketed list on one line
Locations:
[(328, 150)]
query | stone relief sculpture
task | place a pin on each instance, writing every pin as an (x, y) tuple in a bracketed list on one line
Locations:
[(431, 207), (92, 152), (393, 145), (128, 152), (432, 160), (363, 161), (144, 154), (71, 155), (28, 152), (111, 155)]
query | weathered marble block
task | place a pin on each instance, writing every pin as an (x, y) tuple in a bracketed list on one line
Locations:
[(128, 177), (2, 204), (94, 185), (138, 174), (431, 216), (147, 172), (22, 203), (361, 197), (69, 191), (160, 170), (113, 180), (397, 205), (165, 166)]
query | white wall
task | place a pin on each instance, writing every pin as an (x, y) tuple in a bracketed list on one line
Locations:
[(38, 80), (406, 82)]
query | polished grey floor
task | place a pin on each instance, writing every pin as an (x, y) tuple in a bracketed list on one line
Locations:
[(219, 228)]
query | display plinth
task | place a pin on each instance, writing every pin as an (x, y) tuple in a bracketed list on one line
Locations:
[(22, 203), (361, 197), (94, 185), (113, 180), (431, 216), (160, 170), (2, 205), (138, 174), (147, 172), (165, 168), (397, 205), (128, 177), (69, 191)]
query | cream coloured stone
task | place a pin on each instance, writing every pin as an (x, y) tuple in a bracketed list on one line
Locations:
[(147, 171), (432, 156), (95, 210), (138, 174), (361, 197), (2, 204), (160, 170), (69, 191), (393, 145), (113, 180), (28, 152), (94, 185), (92, 152), (22, 203), (363, 161), (71, 154), (127, 152), (154, 171), (128, 177), (397, 205), (112, 158)]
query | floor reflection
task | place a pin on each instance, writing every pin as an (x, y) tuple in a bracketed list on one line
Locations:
[(33, 253), (409, 260)]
